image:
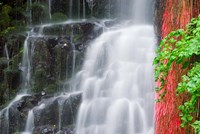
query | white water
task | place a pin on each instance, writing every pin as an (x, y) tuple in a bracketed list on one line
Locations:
[(30, 121), (83, 9), (30, 12), (7, 55), (49, 3), (117, 80), (5, 113), (26, 65)]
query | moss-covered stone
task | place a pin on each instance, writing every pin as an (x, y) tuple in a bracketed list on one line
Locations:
[(58, 17), (39, 13)]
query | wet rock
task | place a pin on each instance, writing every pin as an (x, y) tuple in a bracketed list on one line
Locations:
[(58, 111), (9, 72), (68, 130), (15, 115), (47, 129)]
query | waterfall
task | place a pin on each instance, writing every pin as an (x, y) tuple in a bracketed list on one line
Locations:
[(26, 65), (30, 121), (49, 3), (5, 116), (83, 9), (117, 79), (6, 54), (78, 9), (115, 85)]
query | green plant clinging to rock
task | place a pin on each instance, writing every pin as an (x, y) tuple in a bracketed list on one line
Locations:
[(179, 47)]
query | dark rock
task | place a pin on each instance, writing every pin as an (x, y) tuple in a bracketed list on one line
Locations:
[(46, 129), (68, 130), (9, 72), (15, 115), (55, 109)]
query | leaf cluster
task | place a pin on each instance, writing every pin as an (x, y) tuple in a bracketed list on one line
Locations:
[(179, 47)]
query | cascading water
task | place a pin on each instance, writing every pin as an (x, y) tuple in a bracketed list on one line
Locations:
[(83, 9), (49, 3), (25, 67), (6, 54), (5, 116), (30, 121), (117, 80)]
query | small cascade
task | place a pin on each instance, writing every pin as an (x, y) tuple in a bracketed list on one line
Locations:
[(109, 8), (73, 55), (79, 9), (91, 5), (49, 3), (60, 110), (137, 6), (30, 119), (84, 8), (6, 54), (26, 63), (5, 116), (30, 122)]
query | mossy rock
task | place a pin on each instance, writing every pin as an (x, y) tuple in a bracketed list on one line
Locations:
[(58, 17), (39, 13), (51, 89), (3, 61)]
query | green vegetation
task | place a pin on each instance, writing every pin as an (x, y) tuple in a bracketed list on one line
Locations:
[(58, 17), (39, 13), (182, 47), (11, 19)]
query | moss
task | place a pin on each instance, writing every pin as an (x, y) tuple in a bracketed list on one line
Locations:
[(40, 80), (39, 13), (3, 93), (12, 20), (58, 17), (16, 60), (51, 89), (3, 61)]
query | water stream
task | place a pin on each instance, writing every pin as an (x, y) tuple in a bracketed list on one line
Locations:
[(117, 83), (26, 64), (49, 3), (6, 54), (5, 116), (117, 79)]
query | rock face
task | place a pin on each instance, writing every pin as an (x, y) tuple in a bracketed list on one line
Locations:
[(10, 55), (59, 52), (85, 8), (14, 116), (56, 53), (58, 114), (51, 114)]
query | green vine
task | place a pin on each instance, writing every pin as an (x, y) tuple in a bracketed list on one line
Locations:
[(179, 47)]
